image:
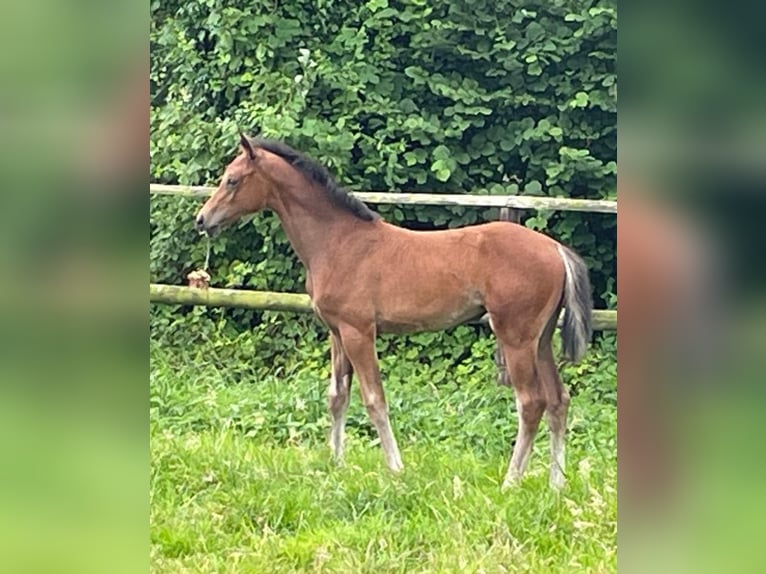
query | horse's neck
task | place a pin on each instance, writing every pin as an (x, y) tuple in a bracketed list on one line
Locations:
[(313, 225)]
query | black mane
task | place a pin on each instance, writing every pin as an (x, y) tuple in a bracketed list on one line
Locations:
[(319, 175)]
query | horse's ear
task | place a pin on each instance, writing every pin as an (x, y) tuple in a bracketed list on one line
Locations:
[(245, 143)]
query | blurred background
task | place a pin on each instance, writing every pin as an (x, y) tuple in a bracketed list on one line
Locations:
[(691, 179), (74, 126)]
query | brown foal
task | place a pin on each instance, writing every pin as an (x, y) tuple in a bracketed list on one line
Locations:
[(365, 277)]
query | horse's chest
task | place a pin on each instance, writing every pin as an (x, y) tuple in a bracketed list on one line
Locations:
[(318, 313)]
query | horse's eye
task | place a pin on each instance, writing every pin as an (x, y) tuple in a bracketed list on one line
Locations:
[(232, 182)]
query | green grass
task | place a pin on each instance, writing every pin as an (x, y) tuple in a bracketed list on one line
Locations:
[(242, 480)]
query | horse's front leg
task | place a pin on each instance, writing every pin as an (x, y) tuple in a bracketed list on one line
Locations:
[(338, 395), (359, 345)]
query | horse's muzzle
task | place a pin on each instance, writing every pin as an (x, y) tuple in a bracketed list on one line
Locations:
[(200, 222), (206, 226)]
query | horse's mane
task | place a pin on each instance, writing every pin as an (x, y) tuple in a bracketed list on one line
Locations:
[(318, 174)]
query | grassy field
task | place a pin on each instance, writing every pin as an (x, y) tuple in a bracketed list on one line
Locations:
[(242, 481)]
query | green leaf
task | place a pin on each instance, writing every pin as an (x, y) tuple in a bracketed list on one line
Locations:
[(441, 152), (441, 169), (533, 188), (580, 100), (411, 158), (413, 72), (506, 144), (375, 5)]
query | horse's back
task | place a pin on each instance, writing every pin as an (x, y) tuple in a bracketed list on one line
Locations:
[(485, 244), (424, 280)]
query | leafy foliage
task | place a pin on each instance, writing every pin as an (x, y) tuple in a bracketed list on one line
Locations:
[(509, 97)]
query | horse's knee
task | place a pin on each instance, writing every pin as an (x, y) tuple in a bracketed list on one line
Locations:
[(376, 407), (531, 409), (560, 404)]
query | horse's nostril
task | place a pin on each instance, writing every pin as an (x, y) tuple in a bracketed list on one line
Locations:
[(200, 220)]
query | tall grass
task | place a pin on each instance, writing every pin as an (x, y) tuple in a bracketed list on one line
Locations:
[(242, 480)]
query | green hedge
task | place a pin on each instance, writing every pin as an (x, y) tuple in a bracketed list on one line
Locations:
[(508, 97)]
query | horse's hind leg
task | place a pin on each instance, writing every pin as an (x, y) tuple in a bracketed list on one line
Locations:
[(530, 404), (338, 395), (557, 399)]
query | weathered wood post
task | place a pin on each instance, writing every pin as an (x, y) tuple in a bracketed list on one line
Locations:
[(513, 215)]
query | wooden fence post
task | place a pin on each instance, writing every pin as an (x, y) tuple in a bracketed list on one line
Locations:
[(514, 215)]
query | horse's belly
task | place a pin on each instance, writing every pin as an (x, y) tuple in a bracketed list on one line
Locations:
[(427, 321)]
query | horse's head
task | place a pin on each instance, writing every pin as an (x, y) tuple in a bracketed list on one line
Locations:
[(243, 190)]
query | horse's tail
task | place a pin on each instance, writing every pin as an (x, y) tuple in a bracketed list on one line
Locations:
[(578, 304)]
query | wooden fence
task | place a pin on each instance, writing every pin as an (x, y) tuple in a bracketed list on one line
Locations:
[(511, 207), (273, 301), (508, 201)]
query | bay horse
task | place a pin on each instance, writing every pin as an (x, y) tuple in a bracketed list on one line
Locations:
[(365, 276)]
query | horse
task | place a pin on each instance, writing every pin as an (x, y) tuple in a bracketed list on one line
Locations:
[(366, 276)]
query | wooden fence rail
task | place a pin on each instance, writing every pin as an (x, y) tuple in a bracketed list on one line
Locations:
[(508, 201), (603, 320), (268, 300)]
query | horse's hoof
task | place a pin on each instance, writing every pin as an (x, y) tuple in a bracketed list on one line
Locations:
[(511, 481), (557, 484)]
